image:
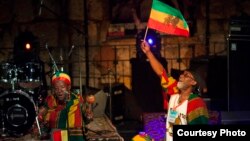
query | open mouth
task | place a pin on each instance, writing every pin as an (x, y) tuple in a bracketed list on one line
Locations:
[(60, 95)]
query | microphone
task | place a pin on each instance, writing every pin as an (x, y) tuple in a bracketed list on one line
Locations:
[(71, 50), (67, 94), (53, 61), (40, 9), (61, 58)]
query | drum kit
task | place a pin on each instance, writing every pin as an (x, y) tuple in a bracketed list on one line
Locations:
[(18, 100)]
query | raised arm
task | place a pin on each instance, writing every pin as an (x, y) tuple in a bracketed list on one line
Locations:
[(155, 64), (167, 83)]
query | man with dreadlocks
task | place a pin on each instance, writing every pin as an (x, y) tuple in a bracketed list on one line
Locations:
[(65, 113)]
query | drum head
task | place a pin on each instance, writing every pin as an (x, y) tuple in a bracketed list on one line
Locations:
[(17, 112), (30, 76)]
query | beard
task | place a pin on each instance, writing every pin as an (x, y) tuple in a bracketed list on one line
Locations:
[(181, 85)]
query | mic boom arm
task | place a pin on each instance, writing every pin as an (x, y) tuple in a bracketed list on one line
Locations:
[(52, 59)]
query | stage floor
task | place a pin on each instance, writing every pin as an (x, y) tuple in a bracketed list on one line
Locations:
[(101, 128)]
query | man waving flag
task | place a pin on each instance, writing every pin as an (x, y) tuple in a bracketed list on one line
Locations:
[(167, 19)]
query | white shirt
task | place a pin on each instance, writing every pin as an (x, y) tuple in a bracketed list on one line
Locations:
[(177, 115)]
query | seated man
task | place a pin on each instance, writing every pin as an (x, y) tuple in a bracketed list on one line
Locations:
[(64, 113)]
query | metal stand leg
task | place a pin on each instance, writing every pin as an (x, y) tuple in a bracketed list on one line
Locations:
[(110, 95), (38, 126), (3, 128), (110, 100)]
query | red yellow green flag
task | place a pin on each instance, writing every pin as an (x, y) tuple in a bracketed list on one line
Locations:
[(167, 19)]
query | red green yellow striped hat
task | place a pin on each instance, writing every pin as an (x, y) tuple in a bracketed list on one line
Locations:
[(61, 76), (142, 136)]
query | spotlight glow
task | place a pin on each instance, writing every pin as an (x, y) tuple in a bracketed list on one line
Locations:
[(27, 46), (154, 40), (150, 41)]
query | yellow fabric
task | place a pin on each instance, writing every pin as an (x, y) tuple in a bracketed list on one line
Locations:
[(64, 135), (71, 113), (138, 138), (164, 17)]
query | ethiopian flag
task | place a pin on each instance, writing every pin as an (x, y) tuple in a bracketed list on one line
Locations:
[(167, 19)]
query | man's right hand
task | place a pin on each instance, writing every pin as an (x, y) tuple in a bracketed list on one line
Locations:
[(145, 47)]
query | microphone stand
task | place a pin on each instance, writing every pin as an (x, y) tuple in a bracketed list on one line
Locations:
[(52, 59), (67, 111), (110, 95), (3, 128), (67, 116), (85, 35)]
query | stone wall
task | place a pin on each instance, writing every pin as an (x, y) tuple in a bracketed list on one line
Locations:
[(60, 25)]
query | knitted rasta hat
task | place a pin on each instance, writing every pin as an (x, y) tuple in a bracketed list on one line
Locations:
[(62, 77), (142, 136)]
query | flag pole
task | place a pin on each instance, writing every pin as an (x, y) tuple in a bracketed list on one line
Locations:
[(146, 32)]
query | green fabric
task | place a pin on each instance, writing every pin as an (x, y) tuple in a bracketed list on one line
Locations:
[(197, 112), (164, 8), (76, 138), (62, 119), (62, 122)]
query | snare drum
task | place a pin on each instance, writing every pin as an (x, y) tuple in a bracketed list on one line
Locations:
[(18, 112), (30, 76)]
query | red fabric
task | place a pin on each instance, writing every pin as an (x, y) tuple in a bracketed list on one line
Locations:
[(169, 86), (165, 100), (66, 80), (56, 135), (195, 103), (170, 29)]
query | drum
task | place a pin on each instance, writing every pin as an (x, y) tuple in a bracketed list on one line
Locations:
[(30, 76), (18, 112), (8, 74)]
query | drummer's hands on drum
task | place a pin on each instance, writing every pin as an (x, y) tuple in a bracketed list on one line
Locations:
[(41, 113)]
